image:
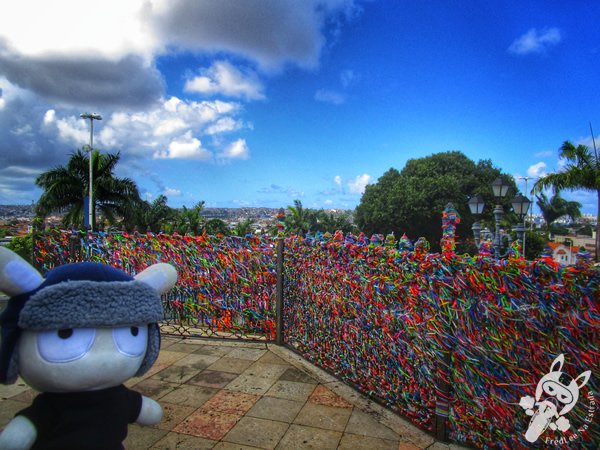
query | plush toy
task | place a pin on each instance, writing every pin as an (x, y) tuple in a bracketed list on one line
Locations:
[(76, 336)]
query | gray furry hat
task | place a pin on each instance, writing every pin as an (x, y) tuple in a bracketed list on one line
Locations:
[(78, 295)]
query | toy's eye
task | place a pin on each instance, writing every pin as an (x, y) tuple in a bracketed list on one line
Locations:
[(131, 341), (64, 345)]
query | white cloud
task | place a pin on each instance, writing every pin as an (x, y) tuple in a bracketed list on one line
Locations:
[(49, 117), (237, 150), (337, 180), (537, 170), (357, 186), (222, 78), (172, 192), (184, 147), (328, 96), (535, 41)]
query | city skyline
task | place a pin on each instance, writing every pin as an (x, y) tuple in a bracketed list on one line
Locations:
[(259, 103)]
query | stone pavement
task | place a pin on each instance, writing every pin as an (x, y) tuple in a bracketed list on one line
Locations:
[(251, 395)]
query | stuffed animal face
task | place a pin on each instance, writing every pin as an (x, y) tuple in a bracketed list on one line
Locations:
[(81, 358), (85, 326)]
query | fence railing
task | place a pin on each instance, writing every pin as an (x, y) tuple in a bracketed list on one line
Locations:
[(451, 342)]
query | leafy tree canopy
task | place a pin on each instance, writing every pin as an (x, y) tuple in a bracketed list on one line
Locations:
[(411, 201)]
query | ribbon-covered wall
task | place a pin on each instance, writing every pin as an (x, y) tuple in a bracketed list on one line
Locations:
[(382, 318), (225, 287), (392, 319)]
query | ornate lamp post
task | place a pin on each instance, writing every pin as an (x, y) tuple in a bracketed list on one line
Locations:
[(520, 206), (476, 205), (92, 117), (500, 189)]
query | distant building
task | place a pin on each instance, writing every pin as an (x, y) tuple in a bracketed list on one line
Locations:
[(575, 242), (563, 254)]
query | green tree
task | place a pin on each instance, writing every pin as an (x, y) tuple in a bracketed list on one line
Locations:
[(153, 216), (22, 246), (66, 187), (412, 201), (556, 207), (189, 221), (298, 221), (582, 171), (216, 226), (243, 228)]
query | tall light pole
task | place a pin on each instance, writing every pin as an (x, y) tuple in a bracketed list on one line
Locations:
[(92, 117), (530, 218)]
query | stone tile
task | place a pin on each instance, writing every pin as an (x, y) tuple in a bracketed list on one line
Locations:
[(300, 437), (212, 350), (213, 379), (231, 402), (173, 415), (265, 370), (439, 446), (257, 432), (142, 438), (231, 365), (207, 424), (231, 446), (196, 361), (272, 358), (167, 341), (250, 384), (323, 396), (182, 347), (294, 374), (10, 390), (154, 388), (26, 396), (250, 354), (276, 409), (189, 395), (363, 424), (176, 374), (8, 409), (168, 357), (326, 417), (291, 390), (408, 446), (356, 442), (183, 442)]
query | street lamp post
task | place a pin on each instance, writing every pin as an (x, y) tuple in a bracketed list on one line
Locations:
[(92, 117), (520, 206), (500, 189)]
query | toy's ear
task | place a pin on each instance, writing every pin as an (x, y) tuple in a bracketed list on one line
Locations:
[(161, 277), (559, 361), (17, 276)]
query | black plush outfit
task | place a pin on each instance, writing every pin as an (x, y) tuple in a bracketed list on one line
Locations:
[(83, 420)]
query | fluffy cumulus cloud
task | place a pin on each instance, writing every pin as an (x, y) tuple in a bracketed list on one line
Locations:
[(222, 78), (358, 185), (537, 170), (535, 41), (236, 150)]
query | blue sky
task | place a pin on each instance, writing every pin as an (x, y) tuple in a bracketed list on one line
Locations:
[(260, 102)]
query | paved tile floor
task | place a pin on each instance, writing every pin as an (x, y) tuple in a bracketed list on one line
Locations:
[(241, 395)]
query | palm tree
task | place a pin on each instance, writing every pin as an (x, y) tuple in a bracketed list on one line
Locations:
[(243, 228), (298, 221), (557, 207), (65, 189), (582, 171), (189, 221)]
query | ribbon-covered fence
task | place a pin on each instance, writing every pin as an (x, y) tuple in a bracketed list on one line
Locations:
[(225, 286), (452, 342)]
